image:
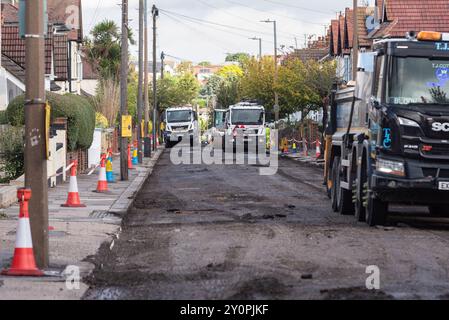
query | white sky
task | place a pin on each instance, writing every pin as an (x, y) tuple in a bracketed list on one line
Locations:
[(197, 41)]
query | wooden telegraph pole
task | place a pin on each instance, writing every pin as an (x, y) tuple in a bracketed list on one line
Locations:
[(355, 49), (147, 139), (140, 85), (124, 92), (36, 129), (155, 13)]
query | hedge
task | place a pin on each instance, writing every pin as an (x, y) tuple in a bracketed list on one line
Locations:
[(79, 113), (3, 117)]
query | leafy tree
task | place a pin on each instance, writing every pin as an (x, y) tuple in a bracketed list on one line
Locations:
[(258, 81), (228, 92), (104, 48), (240, 57), (185, 67), (175, 91), (205, 64), (231, 71)]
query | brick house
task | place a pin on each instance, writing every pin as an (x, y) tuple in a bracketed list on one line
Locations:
[(397, 17), (63, 45), (342, 38)]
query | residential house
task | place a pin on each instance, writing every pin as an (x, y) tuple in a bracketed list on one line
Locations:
[(398, 17), (63, 56), (204, 73), (342, 38)]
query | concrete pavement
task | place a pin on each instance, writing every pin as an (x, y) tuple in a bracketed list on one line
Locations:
[(75, 234)]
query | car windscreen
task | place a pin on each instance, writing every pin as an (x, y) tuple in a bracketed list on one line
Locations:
[(247, 117), (414, 80), (179, 116)]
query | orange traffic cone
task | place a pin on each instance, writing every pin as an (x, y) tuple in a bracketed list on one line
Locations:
[(318, 149), (102, 186), (73, 199), (130, 158), (23, 263)]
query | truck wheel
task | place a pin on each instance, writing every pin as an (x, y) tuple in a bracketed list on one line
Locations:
[(334, 176), (344, 197), (361, 193), (439, 210), (376, 211)]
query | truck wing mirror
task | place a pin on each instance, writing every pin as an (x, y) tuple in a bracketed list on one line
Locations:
[(375, 102)]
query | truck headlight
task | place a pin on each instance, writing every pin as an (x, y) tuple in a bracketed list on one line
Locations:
[(408, 122), (395, 168)]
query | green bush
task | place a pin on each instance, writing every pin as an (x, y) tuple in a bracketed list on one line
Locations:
[(79, 113), (11, 153), (3, 117)]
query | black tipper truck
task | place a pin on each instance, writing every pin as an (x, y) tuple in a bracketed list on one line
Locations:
[(388, 136)]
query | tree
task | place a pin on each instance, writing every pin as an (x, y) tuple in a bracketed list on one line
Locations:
[(185, 67), (240, 57), (228, 92), (295, 90), (258, 81), (103, 48), (231, 71), (176, 91), (205, 64)]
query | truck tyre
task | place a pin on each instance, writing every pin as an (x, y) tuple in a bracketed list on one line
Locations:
[(361, 192), (439, 210), (376, 211), (334, 176), (344, 197)]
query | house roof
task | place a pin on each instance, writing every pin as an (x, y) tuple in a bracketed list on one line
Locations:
[(403, 16), (13, 68), (68, 12), (335, 33), (13, 47), (310, 54)]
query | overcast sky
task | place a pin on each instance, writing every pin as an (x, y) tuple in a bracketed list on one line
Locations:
[(185, 31)]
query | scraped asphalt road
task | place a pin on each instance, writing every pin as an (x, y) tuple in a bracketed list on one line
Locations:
[(225, 232)]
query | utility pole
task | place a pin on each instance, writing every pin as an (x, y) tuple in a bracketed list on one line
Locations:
[(355, 47), (36, 129), (155, 13), (140, 85), (147, 140), (124, 91), (162, 64), (276, 95), (260, 46)]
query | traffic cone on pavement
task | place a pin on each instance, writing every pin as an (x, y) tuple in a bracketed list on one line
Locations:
[(136, 153), (23, 263), (73, 199), (130, 160), (110, 177), (318, 149), (102, 186)]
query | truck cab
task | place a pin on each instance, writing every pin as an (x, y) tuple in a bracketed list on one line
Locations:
[(181, 124), (245, 123), (390, 131)]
